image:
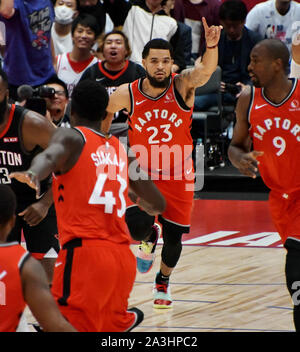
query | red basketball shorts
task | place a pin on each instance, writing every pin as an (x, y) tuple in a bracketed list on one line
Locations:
[(92, 283), (179, 197), (285, 212)]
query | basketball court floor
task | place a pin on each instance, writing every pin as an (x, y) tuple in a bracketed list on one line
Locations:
[(230, 277)]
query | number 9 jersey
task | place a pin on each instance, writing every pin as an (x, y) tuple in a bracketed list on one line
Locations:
[(90, 199), (275, 130)]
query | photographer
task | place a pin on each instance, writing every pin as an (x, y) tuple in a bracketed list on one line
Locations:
[(235, 45), (50, 100), (57, 103)]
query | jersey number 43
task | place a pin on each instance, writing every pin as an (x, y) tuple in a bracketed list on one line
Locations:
[(107, 198)]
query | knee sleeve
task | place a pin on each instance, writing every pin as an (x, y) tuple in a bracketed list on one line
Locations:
[(292, 272), (172, 247), (139, 223)]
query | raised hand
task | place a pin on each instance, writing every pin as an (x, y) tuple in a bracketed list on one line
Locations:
[(212, 34)]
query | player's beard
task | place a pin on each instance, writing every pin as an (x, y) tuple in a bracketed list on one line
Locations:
[(3, 107), (158, 84)]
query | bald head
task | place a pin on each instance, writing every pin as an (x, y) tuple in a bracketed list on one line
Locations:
[(276, 49)]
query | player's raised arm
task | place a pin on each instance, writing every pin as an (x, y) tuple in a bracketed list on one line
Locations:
[(118, 100), (65, 146), (205, 66)]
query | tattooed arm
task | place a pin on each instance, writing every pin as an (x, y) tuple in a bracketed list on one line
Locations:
[(190, 79)]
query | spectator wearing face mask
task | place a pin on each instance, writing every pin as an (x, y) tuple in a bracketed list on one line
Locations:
[(61, 31)]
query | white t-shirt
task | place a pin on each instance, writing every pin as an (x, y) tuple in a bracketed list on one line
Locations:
[(265, 19), (66, 73), (61, 44)]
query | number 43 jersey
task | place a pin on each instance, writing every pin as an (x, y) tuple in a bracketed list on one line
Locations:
[(275, 130), (159, 130), (90, 199)]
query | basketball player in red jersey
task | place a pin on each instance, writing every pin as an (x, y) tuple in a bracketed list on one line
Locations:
[(22, 278), (95, 270), (266, 138), (160, 108)]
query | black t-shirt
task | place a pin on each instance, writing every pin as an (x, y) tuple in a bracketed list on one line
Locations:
[(112, 79), (231, 69)]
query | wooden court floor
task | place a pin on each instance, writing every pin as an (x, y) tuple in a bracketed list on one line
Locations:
[(230, 277)]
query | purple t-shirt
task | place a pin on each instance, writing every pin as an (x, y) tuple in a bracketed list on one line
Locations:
[(28, 57)]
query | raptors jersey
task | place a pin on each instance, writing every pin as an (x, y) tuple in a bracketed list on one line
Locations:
[(275, 130), (159, 130), (12, 304), (70, 72), (90, 199)]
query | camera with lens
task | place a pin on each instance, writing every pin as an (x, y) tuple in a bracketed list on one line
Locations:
[(35, 97), (233, 89), (44, 92)]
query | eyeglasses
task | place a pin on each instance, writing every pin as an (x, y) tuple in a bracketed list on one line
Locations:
[(60, 93)]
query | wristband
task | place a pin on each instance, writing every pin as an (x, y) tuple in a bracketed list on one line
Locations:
[(211, 47), (31, 173)]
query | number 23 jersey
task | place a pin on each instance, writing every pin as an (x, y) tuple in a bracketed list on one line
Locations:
[(90, 199), (275, 130), (162, 125)]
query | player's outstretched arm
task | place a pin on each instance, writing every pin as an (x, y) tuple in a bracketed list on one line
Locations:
[(37, 295), (295, 64), (62, 153), (118, 100), (239, 149), (296, 49)]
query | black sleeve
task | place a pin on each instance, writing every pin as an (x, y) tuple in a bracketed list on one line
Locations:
[(177, 42), (117, 10)]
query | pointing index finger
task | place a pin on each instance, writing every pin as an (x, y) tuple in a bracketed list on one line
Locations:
[(204, 24)]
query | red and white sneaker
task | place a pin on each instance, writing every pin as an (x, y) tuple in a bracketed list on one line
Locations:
[(162, 296)]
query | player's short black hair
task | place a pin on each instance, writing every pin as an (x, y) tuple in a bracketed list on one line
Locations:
[(233, 10), (8, 204), (277, 50), (89, 100), (157, 43), (86, 20)]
